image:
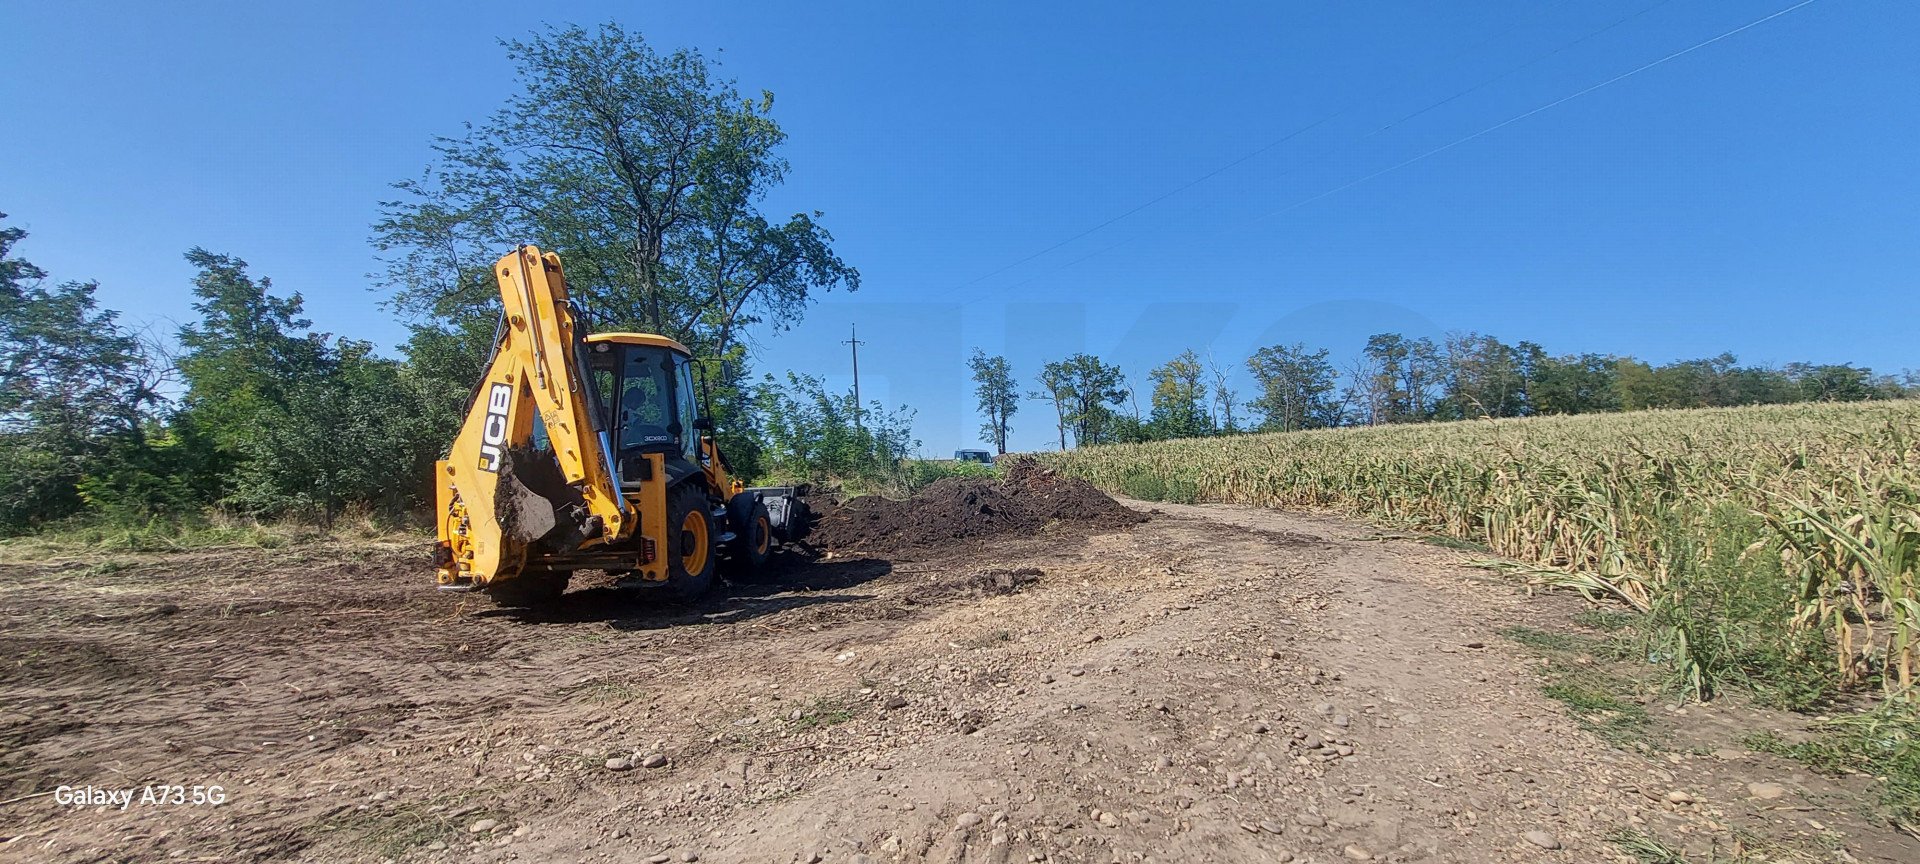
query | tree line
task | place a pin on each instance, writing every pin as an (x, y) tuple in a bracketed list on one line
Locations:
[(247, 410), (644, 168), (1394, 379)]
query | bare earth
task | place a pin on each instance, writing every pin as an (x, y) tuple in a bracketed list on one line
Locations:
[(1213, 685)]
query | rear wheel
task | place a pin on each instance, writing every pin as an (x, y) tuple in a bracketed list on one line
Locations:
[(753, 536), (691, 556)]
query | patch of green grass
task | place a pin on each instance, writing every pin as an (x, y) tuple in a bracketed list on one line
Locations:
[(604, 690), (1143, 485), (1644, 847), (108, 567), (1445, 542), (85, 536), (989, 640), (1746, 848), (153, 537), (1883, 744), (1605, 620), (1719, 623), (1600, 702), (393, 832), (1597, 705), (918, 474), (823, 712), (1550, 641), (1152, 486), (1715, 626), (902, 480)]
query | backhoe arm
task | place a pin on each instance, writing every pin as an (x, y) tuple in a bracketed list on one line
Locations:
[(497, 493)]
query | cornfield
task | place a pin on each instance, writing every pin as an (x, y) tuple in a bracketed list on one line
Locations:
[(1822, 500)]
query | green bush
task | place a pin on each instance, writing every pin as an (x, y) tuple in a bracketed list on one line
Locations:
[(811, 435), (1718, 622), (918, 474), (1146, 485)]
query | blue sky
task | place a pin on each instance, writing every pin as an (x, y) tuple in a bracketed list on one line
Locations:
[(1757, 195)]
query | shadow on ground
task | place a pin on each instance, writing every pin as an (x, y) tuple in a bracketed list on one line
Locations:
[(791, 581)]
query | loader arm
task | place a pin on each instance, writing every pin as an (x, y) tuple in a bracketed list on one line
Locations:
[(497, 493)]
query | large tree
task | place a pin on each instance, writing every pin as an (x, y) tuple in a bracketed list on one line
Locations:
[(302, 423), (1481, 377), (1296, 388), (998, 395), (1180, 398), (644, 170), (74, 389), (1084, 391), (244, 354), (1408, 370), (1836, 383), (1571, 384), (1057, 389), (1224, 398)]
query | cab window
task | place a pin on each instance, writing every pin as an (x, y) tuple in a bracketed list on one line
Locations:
[(688, 403), (646, 411)]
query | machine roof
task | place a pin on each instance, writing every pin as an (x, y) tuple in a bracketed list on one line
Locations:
[(640, 339)]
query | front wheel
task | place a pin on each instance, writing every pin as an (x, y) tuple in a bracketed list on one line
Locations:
[(689, 547)]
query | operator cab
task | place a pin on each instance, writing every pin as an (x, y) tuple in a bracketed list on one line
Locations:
[(644, 387)]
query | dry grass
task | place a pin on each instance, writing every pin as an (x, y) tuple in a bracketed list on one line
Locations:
[(93, 540)]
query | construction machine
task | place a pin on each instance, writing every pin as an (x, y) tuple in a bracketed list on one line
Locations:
[(592, 451)]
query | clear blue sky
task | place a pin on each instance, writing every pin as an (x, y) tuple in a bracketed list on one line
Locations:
[(1759, 195)]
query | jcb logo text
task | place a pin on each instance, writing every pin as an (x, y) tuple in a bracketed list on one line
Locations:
[(493, 435)]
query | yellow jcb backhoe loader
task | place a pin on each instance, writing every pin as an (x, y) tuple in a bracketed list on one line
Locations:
[(591, 451)]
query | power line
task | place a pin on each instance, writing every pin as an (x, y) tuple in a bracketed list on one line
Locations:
[(1484, 82), (1230, 165), (1465, 139), (1524, 115), (1402, 119)]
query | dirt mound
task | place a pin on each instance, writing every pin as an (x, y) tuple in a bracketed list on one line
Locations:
[(1030, 498)]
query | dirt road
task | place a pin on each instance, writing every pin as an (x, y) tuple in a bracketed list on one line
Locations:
[(1211, 685)]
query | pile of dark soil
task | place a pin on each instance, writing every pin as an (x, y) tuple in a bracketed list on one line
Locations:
[(1029, 499)]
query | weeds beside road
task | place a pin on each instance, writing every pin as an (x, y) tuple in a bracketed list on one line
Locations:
[(1772, 550), (1775, 549)]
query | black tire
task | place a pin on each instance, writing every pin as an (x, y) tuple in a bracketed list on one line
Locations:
[(690, 548), (529, 589), (753, 536)]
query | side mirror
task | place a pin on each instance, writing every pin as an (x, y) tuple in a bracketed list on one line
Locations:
[(704, 424)]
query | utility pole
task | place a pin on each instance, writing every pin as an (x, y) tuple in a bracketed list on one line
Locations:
[(854, 341)]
